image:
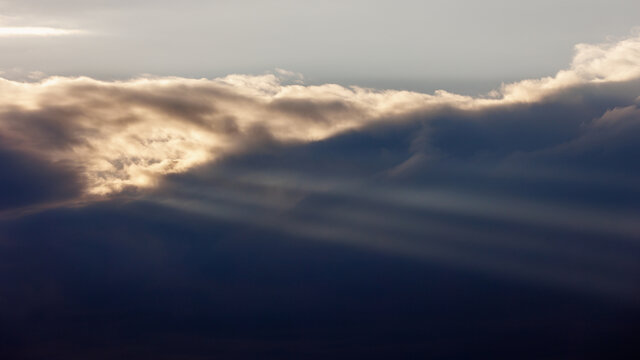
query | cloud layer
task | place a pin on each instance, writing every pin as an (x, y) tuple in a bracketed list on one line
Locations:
[(551, 158), (126, 135), (251, 214)]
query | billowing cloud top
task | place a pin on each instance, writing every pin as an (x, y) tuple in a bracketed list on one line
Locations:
[(122, 135)]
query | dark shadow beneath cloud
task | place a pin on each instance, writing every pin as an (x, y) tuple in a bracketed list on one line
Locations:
[(142, 281)]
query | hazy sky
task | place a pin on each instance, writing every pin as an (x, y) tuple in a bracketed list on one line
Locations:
[(419, 45)]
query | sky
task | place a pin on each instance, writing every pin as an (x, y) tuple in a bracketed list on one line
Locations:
[(466, 46), (287, 180)]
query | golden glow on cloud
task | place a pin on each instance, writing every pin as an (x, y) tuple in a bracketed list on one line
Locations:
[(20, 31), (127, 134)]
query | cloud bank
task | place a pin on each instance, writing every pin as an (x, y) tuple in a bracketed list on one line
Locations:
[(126, 135), (536, 181)]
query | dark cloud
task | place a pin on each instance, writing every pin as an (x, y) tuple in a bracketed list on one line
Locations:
[(489, 203)]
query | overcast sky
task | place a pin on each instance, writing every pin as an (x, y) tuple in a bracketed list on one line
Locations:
[(419, 45)]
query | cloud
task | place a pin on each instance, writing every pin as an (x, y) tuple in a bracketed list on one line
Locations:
[(31, 31), (536, 180), (127, 135), (541, 192)]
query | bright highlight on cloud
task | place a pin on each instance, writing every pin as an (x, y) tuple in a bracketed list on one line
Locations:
[(27, 31), (126, 135)]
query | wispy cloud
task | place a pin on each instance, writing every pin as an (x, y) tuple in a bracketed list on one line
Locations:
[(34, 31)]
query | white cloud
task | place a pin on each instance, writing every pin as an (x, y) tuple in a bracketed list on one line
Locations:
[(29, 31)]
